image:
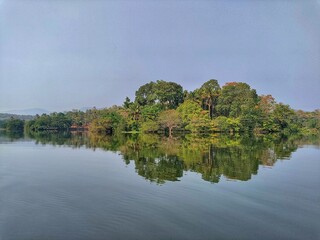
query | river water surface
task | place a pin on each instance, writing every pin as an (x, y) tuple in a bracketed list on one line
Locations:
[(74, 186)]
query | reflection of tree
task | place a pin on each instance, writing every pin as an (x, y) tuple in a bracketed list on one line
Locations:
[(66, 138), (54, 138), (234, 157), (160, 159), (8, 136), (154, 158), (284, 148), (164, 168)]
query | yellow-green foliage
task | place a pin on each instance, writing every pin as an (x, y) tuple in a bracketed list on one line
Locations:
[(149, 126), (100, 125), (194, 118), (225, 124)]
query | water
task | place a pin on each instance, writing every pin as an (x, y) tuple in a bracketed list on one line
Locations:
[(67, 186)]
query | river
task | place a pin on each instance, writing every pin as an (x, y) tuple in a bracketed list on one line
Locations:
[(80, 186)]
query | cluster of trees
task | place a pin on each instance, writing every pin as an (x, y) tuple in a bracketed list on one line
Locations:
[(234, 107), (12, 124), (164, 106), (7, 116), (54, 121)]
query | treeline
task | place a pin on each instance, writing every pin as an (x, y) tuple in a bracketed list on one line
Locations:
[(164, 106), (13, 122), (7, 116)]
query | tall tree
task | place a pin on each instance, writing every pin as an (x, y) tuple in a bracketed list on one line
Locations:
[(265, 108), (266, 104), (127, 102), (284, 116), (209, 93)]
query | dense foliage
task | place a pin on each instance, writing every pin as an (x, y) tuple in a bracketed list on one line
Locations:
[(12, 124), (54, 121), (164, 106), (234, 107)]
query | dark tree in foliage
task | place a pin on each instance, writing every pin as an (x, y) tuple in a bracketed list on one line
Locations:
[(209, 93), (168, 94), (236, 99), (14, 124), (54, 121), (127, 103), (145, 95)]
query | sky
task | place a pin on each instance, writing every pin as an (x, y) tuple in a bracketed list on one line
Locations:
[(62, 55)]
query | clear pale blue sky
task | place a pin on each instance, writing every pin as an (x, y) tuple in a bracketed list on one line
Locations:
[(60, 55)]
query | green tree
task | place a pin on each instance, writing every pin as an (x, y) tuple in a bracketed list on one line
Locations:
[(284, 118), (209, 93), (168, 94), (14, 125), (133, 117), (265, 109), (236, 99), (146, 94), (127, 103)]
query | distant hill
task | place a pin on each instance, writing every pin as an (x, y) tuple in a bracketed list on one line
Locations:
[(30, 111), (5, 116)]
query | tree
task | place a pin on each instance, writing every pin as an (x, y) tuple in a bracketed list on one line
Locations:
[(146, 95), (168, 94), (127, 103), (266, 104), (236, 99), (265, 108), (284, 117), (209, 93), (134, 116), (169, 119)]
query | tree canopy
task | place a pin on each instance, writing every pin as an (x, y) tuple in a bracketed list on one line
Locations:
[(167, 94)]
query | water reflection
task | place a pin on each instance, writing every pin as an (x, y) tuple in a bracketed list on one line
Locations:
[(160, 159)]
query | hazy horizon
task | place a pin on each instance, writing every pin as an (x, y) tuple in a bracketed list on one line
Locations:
[(64, 55)]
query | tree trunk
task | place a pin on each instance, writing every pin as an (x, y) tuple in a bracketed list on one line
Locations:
[(170, 132)]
